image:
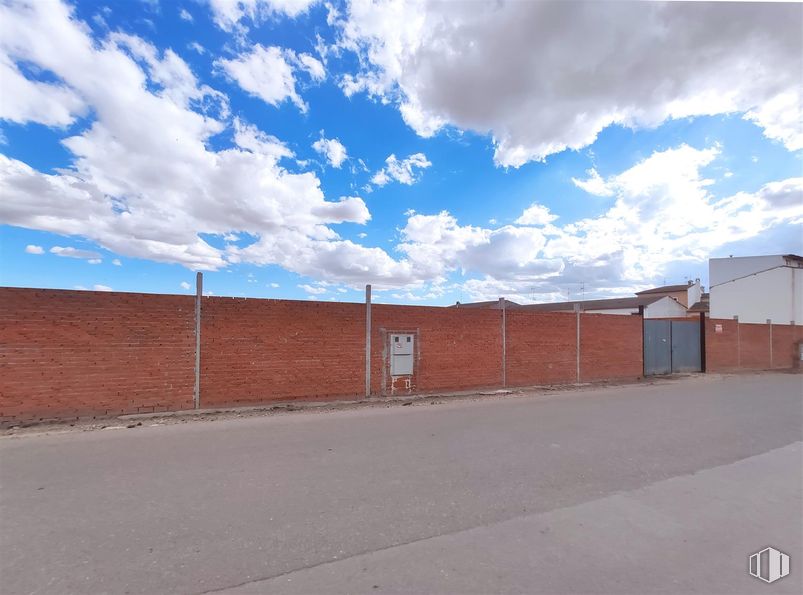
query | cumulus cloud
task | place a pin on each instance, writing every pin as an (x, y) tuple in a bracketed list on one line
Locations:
[(503, 68), (332, 149), (185, 285), (593, 184), (24, 100), (99, 287), (33, 249), (185, 15), (313, 289), (405, 171), (536, 214), (227, 14), (116, 262), (144, 181), (70, 252), (264, 72), (312, 66), (663, 213)]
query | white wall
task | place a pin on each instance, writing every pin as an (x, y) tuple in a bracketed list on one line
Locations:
[(666, 307), (776, 294), (694, 293), (619, 311), (721, 270)]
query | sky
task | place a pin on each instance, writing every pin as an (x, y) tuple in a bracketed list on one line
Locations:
[(440, 151)]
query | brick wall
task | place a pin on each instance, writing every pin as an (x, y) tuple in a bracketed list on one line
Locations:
[(456, 349), (541, 347), (69, 354), (611, 347), (256, 351), (742, 346), (754, 344), (721, 345), (784, 345)]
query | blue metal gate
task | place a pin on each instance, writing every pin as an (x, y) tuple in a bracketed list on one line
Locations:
[(671, 346)]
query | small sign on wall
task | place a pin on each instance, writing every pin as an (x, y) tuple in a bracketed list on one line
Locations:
[(717, 328)]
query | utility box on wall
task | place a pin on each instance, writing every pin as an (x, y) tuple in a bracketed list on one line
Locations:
[(402, 354)]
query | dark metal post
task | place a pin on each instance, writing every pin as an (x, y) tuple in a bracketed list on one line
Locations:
[(702, 341)]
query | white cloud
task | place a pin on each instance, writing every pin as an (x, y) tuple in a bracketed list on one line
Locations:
[(401, 170), (32, 249), (185, 15), (69, 252), (99, 287), (273, 285), (227, 14), (24, 100), (536, 214), (332, 149), (504, 68), (314, 289), (594, 184), (197, 47), (116, 262), (185, 285), (663, 214), (144, 181), (269, 73), (312, 66), (265, 72)]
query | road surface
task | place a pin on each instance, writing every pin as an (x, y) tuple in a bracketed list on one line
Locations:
[(633, 489)]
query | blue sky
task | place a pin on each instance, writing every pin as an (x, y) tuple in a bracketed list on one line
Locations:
[(440, 151)]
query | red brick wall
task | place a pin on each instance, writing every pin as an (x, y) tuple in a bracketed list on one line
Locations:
[(457, 349), (541, 348), (784, 345), (256, 351), (754, 341), (742, 346), (68, 354), (611, 347), (721, 348)]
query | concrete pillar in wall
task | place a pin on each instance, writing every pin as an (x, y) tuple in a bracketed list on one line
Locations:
[(577, 309), (199, 290), (367, 340), (502, 306)]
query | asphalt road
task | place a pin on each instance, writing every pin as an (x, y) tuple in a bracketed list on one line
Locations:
[(636, 489)]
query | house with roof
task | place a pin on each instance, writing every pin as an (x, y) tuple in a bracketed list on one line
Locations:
[(670, 301), (650, 306)]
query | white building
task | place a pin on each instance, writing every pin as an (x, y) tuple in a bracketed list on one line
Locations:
[(757, 288)]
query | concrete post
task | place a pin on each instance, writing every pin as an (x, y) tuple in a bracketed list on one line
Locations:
[(367, 341), (769, 322), (502, 306), (577, 339), (199, 289)]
